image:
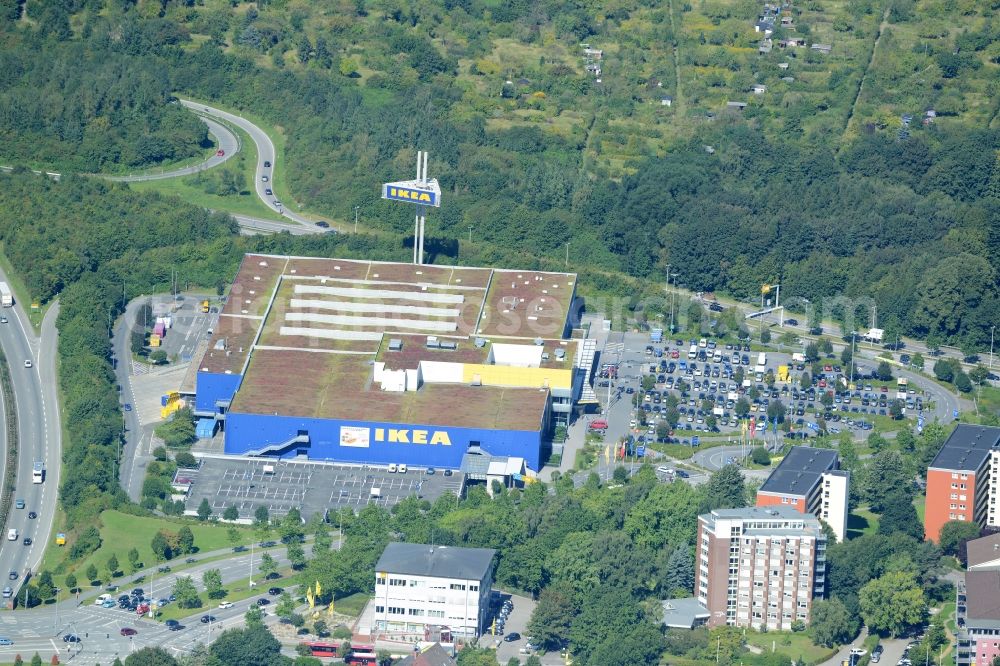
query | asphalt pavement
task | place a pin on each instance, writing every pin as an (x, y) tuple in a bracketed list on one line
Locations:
[(38, 436)]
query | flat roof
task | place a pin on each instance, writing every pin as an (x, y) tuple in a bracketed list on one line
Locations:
[(967, 448), (230, 345), (307, 330), (340, 386), (417, 559), (527, 304), (683, 613), (769, 514), (983, 551), (799, 471), (982, 590)]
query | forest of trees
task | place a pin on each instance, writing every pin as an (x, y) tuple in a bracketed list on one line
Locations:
[(85, 241), (911, 222)]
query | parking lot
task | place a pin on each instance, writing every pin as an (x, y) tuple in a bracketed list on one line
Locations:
[(677, 391), (189, 325), (308, 486)]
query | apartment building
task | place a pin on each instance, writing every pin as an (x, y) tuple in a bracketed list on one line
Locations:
[(979, 634), (810, 481), (962, 481), (417, 585), (759, 566)]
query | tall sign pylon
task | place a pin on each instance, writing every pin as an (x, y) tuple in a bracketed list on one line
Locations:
[(423, 192)]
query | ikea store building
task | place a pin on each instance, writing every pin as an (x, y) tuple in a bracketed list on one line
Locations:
[(377, 363)]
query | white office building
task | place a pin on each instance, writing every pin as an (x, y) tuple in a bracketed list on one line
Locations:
[(417, 585)]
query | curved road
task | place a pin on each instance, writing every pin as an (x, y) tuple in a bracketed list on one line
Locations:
[(227, 141), (38, 433), (265, 153)]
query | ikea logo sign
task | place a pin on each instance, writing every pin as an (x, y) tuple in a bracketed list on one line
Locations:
[(426, 197), (414, 436)]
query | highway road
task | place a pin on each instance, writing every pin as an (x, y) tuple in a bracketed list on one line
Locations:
[(131, 482), (265, 153), (38, 435), (225, 139), (250, 226)]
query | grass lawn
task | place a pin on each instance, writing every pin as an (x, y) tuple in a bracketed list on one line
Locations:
[(236, 591), (918, 504), (860, 522), (189, 188), (948, 612), (792, 645), (351, 605), (121, 532)]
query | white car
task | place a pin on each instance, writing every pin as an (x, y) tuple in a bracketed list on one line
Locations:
[(226, 604), (663, 469), (859, 651), (27, 362)]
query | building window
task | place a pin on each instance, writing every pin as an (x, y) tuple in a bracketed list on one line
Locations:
[(397, 582), (396, 610), (380, 609), (380, 579), (416, 583), (458, 586), (416, 611), (435, 613), (474, 588)]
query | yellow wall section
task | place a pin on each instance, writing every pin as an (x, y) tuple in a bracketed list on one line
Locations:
[(505, 375)]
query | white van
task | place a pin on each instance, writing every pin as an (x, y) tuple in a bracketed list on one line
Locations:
[(101, 599), (12, 534)]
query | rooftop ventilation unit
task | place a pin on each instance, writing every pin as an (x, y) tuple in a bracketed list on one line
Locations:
[(560, 353), (480, 343), (432, 342), (448, 344), (539, 342), (395, 344)]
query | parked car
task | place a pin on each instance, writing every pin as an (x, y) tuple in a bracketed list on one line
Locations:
[(226, 604), (511, 637), (128, 631)]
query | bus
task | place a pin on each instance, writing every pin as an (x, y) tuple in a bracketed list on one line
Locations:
[(38, 472), (320, 649), (361, 658), (693, 352)]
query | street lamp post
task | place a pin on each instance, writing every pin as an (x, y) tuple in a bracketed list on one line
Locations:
[(992, 328), (470, 234), (567, 254), (356, 208), (854, 337)]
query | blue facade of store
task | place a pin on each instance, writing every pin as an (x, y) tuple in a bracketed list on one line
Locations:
[(373, 442)]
